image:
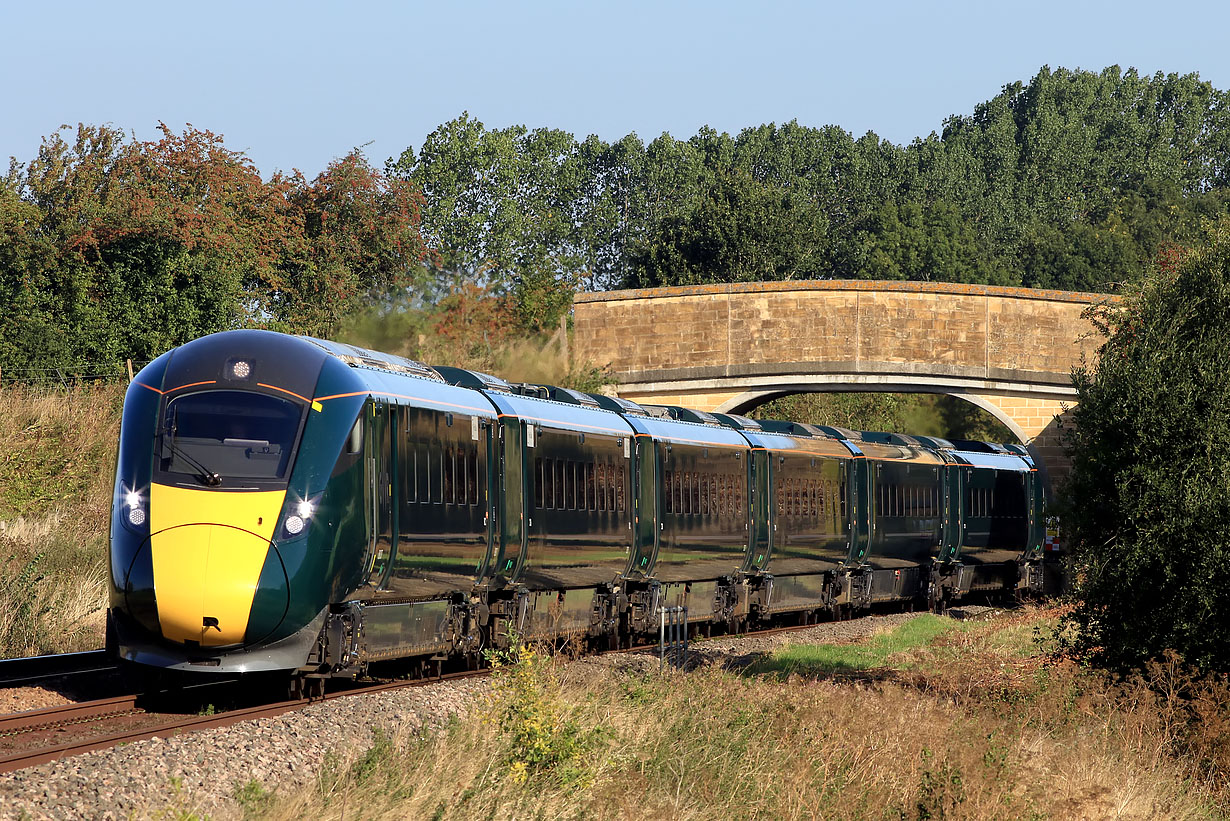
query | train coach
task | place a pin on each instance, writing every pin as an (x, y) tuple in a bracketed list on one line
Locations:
[(291, 504)]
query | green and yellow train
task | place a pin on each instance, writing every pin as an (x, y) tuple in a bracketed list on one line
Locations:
[(291, 504)]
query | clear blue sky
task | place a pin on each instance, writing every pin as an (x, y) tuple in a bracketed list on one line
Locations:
[(296, 84)]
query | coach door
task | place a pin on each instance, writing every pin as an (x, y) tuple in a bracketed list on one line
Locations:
[(381, 478)]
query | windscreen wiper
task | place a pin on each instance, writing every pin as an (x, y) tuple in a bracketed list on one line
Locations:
[(206, 476)]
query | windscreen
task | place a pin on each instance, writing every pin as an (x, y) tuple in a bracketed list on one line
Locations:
[(235, 434)]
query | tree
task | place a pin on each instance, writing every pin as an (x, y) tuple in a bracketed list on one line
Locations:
[(507, 208), (927, 243), (1149, 523), (111, 249)]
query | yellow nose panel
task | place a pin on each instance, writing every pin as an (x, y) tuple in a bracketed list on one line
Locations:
[(208, 548)]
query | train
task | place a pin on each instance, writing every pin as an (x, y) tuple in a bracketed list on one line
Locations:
[(296, 506)]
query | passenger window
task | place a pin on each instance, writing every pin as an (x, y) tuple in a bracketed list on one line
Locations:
[(619, 490), (548, 484), (448, 465), (472, 476)]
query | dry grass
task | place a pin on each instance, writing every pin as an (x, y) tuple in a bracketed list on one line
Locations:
[(978, 723), (57, 467)]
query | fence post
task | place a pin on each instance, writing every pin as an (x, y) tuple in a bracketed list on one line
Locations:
[(129, 370)]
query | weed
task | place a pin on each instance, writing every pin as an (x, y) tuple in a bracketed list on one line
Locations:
[(254, 800), (541, 742), (940, 792)]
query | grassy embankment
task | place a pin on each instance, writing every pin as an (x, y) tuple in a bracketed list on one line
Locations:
[(937, 719), (57, 467)]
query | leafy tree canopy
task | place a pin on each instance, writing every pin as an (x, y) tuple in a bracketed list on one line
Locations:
[(114, 249)]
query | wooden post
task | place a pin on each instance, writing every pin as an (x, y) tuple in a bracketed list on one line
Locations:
[(129, 370)]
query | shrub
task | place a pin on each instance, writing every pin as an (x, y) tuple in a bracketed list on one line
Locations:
[(1150, 483)]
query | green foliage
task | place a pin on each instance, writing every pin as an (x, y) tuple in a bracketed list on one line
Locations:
[(940, 790), (24, 609), (542, 743), (111, 249), (910, 241), (1149, 524), (254, 800), (1074, 181), (925, 414)]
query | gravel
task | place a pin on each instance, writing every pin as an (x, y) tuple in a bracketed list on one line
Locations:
[(199, 772)]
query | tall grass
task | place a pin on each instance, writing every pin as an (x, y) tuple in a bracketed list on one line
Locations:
[(964, 723), (57, 466)]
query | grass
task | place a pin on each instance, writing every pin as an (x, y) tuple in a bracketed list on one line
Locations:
[(57, 466), (944, 720), (889, 649)]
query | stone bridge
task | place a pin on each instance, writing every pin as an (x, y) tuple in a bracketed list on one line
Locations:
[(731, 347)]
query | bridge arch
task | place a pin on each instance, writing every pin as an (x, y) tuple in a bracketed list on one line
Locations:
[(1010, 351)]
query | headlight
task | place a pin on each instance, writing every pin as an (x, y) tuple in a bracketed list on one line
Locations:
[(136, 514), (299, 515)]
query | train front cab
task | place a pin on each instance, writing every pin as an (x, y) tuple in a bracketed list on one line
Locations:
[(215, 493)]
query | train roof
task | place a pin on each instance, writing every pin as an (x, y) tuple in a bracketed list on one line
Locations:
[(363, 358), (782, 441), (689, 433), (682, 414), (562, 415), (556, 393), (734, 420), (473, 379), (996, 461), (617, 404)]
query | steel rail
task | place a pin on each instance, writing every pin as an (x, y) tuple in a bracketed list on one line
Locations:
[(21, 671), (53, 718)]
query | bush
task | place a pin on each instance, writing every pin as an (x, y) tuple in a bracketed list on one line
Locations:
[(1150, 484)]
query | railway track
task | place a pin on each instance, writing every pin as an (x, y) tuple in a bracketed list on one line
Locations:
[(39, 736), (48, 734), (23, 672)]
